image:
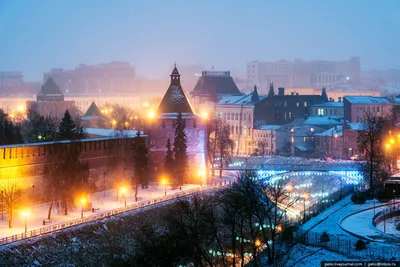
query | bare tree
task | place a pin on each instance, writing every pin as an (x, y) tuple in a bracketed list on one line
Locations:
[(11, 196), (370, 142)]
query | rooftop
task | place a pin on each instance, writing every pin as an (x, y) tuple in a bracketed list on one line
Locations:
[(216, 82), (367, 100), (93, 112), (238, 100), (335, 131), (50, 88), (324, 120), (328, 105), (269, 127)]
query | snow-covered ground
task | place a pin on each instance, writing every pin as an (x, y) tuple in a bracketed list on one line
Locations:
[(312, 256), (100, 201), (342, 241)]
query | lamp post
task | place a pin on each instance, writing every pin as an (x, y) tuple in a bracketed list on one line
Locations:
[(204, 115), (2, 204), (305, 197), (164, 182), (25, 214), (123, 194), (83, 201), (33, 198), (200, 174), (104, 184)]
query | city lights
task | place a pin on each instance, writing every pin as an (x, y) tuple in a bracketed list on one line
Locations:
[(151, 114)]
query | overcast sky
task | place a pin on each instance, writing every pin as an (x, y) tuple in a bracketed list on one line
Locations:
[(36, 36)]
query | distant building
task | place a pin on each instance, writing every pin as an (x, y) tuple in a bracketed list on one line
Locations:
[(162, 128), (10, 81), (211, 86), (281, 109), (298, 73), (355, 107), (50, 101), (113, 77), (270, 139)]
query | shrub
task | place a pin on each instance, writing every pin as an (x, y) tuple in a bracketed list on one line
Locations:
[(360, 245), (383, 194), (324, 238), (358, 198)]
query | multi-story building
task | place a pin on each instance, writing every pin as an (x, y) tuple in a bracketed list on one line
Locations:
[(298, 73), (282, 109), (50, 101), (355, 107), (237, 112), (10, 80), (270, 139), (113, 77), (327, 109)]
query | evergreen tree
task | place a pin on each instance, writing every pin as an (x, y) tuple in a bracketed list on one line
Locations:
[(67, 129), (141, 160), (169, 160), (180, 151)]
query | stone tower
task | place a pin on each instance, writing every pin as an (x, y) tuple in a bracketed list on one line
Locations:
[(163, 127)]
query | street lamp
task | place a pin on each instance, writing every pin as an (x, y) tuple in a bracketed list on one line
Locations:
[(83, 201), (164, 182), (33, 198), (305, 197), (26, 214), (123, 194), (200, 174), (2, 203)]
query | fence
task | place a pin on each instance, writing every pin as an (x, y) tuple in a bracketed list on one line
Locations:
[(347, 247), (102, 215)]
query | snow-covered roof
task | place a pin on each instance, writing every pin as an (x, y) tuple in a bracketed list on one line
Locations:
[(390, 88), (335, 131), (269, 127), (357, 126), (328, 105), (112, 132), (324, 120), (238, 100), (368, 100)]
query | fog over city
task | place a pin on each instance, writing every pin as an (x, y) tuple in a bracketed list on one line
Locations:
[(37, 36), (178, 133)]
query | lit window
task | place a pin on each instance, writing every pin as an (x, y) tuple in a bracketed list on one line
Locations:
[(298, 104), (305, 104)]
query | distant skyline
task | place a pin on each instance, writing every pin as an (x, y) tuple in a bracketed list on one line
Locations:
[(36, 36)]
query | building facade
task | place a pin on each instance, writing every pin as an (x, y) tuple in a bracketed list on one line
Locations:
[(270, 139), (113, 77), (355, 107), (298, 73), (282, 109), (327, 109)]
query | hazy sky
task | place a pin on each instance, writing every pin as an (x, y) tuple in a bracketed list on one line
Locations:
[(36, 36)]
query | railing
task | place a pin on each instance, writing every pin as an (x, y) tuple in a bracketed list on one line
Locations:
[(102, 215)]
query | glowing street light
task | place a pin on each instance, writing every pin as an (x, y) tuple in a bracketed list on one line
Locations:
[(164, 182), (25, 214), (200, 174), (279, 228), (123, 194), (392, 141), (151, 114), (83, 202), (387, 146), (204, 115), (114, 122), (289, 188), (257, 243)]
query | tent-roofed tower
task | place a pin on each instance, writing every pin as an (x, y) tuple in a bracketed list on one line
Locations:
[(174, 100), (162, 127), (93, 117), (50, 91)]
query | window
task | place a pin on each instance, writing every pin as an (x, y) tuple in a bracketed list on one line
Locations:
[(285, 103), (334, 112), (377, 109), (285, 116), (321, 111), (290, 115), (297, 104), (305, 104)]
